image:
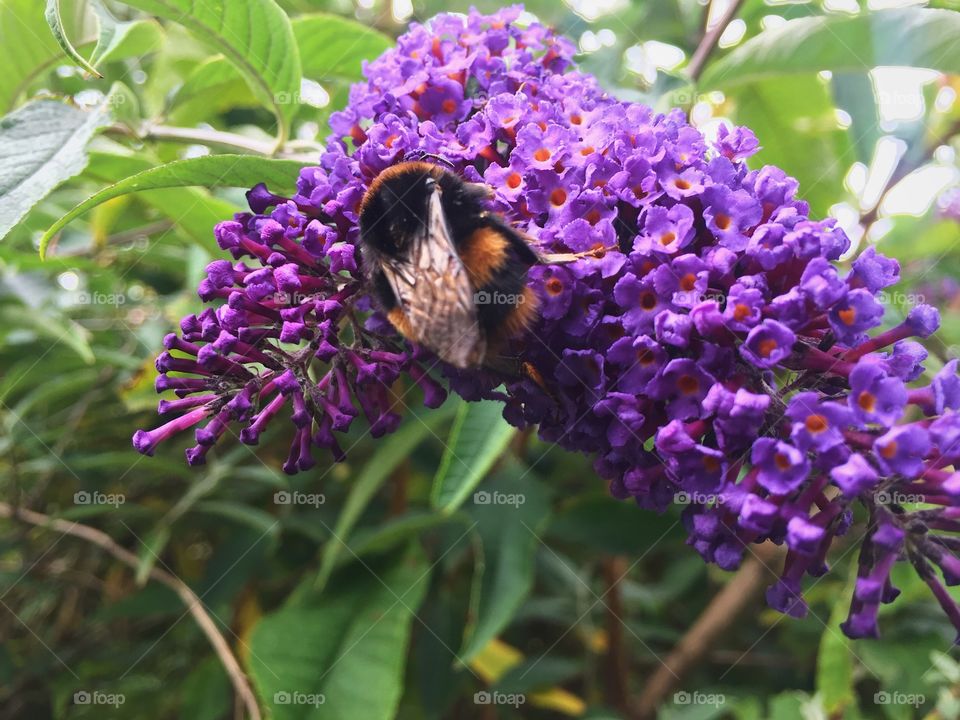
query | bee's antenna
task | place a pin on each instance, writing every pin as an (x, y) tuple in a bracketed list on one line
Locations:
[(423, 155)]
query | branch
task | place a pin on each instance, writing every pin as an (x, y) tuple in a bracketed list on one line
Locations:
[(710, 39), (616, 668), (735, 597), (194, 604), (197, 136)]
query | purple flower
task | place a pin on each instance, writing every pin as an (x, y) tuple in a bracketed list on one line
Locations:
[(782, 466), (875, 395), (665, 230), (902, 449), (768, 344), (704, 341)]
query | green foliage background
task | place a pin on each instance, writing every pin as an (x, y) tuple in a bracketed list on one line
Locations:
[(399, 595)]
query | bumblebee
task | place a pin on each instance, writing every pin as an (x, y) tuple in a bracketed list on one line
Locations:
[(449, 274)]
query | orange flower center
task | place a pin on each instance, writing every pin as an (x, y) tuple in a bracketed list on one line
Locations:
[(767, 347), (848, 316), (554, 286), (688, 384), (667, 238), (781, 461), (722, 221), (889, 450), (688, 282), (542, 155), (648, 301), (681, 184), (514, 180), (558, 197), (816, 423), (741, 312), (867, 401), (449, 105)]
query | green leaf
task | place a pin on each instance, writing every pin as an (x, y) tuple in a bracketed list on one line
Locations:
[(213, 87), (41, 145), (332, 48), (194, 210), (835, 659), (207, 171), (509, 518), (390, 453), (796, 123), (913, 238), (206, 693), (59, 329), (853, 92), (347, 651), (911, 37), (26, 47), (393, 532), (254, 35), (478, 438), (149, 552), (118, 39), (60, 35), (607, 525)]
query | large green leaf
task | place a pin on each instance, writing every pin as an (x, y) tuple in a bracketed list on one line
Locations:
[(796, 124), (332, 48), (390, 453), (207, 171), (332, 51), (116, 38), (55, 21), (255, 35), (344, 656), (41, 145), (213, 87), (26, 46), (913, 37), (509, 513), (194, 210), (478, 438)]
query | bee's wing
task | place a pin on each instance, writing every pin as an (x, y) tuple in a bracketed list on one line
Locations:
[(434, 291)]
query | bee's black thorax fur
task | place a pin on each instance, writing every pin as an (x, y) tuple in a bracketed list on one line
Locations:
[(494, 254)]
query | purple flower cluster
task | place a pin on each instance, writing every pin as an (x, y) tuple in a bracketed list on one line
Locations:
[(706, 347)]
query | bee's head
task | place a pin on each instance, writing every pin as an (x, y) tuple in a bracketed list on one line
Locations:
[(396, 207)]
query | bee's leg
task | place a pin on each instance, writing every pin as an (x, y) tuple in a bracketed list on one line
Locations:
[(551, 258)]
